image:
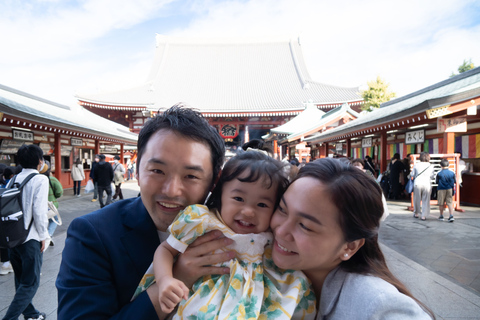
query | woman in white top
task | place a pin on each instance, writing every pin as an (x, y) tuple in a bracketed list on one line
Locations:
[(78, 175), (327, 226), (423, 174)]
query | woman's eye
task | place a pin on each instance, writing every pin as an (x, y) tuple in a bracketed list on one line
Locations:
[(280, 208), (157, 171), (304, 227)]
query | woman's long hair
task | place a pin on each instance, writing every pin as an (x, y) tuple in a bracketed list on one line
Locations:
[(358, 198)]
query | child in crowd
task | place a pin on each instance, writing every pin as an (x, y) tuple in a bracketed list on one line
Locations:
[(241, 205), (446, 181)]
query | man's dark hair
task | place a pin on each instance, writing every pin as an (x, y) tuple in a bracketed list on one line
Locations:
[(188, 123), (116, 157), (29, 156)]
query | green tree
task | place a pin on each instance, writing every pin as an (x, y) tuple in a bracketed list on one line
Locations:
[(376, 94), (465, 66)]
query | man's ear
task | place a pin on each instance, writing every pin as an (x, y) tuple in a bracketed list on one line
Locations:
[(352, 248)]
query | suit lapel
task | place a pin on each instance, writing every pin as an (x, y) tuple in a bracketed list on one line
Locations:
[(141, 240)]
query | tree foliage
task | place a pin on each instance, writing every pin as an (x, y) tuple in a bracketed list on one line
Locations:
[(376, 94), (465, 66)]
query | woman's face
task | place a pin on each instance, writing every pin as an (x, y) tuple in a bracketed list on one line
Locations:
[(307, 233)]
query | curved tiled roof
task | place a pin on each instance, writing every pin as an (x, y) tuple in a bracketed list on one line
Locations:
[(31, 108), (233, 75)]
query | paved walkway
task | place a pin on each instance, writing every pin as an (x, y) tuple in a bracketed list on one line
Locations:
[(438, 261)]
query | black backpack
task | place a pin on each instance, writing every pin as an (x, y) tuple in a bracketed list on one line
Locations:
[(12, 226)]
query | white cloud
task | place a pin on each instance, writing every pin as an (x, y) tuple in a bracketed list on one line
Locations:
[(54, 48)]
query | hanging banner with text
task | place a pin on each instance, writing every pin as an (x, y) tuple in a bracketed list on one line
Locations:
[(458, 124), (413, 137)]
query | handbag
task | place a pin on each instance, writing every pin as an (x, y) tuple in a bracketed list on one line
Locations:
[(53, 212), (90, 187), (409, 185)]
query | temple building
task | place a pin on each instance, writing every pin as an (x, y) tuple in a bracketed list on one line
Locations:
[(243, 86)]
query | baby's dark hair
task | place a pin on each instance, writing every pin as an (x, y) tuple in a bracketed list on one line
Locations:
[(256, 165)]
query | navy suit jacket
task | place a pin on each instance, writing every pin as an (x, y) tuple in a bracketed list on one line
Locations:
[(106, 255)]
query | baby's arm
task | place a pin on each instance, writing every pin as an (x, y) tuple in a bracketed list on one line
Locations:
[(171, 290)]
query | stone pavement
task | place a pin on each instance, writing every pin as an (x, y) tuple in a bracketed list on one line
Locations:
[(438, 261)]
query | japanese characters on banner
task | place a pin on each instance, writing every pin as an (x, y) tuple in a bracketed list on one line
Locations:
[(414, 137), (22, 135), (458, 124), (229, 131), (367, 143)]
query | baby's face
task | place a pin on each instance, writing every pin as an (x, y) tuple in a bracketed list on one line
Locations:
[(247, 206)]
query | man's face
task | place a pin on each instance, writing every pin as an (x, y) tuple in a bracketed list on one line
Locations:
[(174, 172)]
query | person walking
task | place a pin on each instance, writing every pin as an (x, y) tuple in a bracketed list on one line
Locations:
[(103, 175), (27, 258), (422, 188), (95, 184), (118, 177), (55, 191), (446, 182), (396, 174), (78, 175), (130, 170)]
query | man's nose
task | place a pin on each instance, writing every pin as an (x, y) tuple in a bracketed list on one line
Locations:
[(172, 187)]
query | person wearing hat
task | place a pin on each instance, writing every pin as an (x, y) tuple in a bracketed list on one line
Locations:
[(103, 175), (118, 173)]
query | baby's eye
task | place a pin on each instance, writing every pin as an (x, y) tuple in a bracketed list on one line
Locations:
[(262, 205), (240, 199)]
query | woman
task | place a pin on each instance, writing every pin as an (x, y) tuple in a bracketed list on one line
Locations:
[(78, 175), (327, 226), (423, 174), (118, 177), (55, 191)]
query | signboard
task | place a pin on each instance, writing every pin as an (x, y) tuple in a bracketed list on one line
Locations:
[(110, 149), (66, 151), (22, 135), (10, 146), (76, 142), (366, 143), (458, 124), (229, 131), (413, 137), (47, 148), (339, 147)]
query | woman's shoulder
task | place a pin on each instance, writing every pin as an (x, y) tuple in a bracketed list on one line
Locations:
[(381, 298), (344, 293)]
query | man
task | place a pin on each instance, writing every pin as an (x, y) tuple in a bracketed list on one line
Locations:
[(95, 190), (103, 175), (107, 252), (118, 177), (27, 258)]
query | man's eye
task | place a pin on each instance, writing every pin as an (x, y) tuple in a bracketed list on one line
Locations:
[(157, 171), (238, 199), (191, 176)]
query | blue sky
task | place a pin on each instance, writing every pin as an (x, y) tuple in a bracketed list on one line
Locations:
[(55, 48)]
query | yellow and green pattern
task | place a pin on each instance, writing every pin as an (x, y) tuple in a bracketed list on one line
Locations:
[(255, 287)]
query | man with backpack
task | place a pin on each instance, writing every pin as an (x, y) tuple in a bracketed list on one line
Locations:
[(26, 258)]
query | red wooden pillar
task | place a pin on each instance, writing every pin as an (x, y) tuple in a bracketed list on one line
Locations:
[(58, 156), (383, 151), (97, 147), (449, 142), (121, 154), (349, 146)]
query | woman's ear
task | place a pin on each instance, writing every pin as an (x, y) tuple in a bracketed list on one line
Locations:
[(352, 248)]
